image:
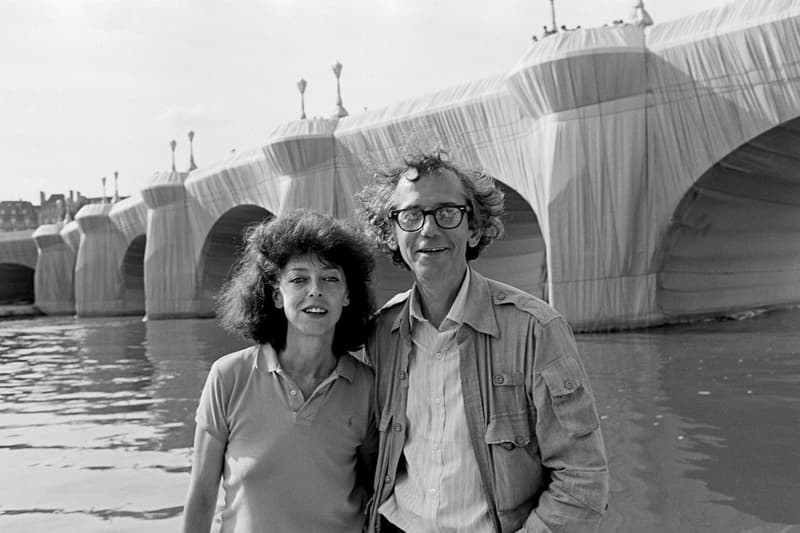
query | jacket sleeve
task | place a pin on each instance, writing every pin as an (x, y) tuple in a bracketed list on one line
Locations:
[(568, 431)]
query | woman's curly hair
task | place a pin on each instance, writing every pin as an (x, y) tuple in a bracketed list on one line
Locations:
[(484, 196), (245, 304)]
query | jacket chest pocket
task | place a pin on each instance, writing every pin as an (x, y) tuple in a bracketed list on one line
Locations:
[(571, 400), (507, 392)]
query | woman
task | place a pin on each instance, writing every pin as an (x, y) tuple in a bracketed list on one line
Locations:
[(288, 423)]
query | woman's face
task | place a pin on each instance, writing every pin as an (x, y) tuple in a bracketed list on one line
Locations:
[(312, 295)]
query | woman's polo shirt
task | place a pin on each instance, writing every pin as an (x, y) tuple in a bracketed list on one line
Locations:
[(290, 463)]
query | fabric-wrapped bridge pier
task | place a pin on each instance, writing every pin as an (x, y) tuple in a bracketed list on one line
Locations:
[(651, 176)]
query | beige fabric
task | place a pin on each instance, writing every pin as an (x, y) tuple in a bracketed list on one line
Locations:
[(98, 277), (727, 198), (481, 126), (169, 271), (623, 158), (17, 247), (598, 134), (53, 280), (129, 216), (650, 173), (71, 235)]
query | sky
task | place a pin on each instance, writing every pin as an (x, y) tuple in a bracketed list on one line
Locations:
[(90, 87)]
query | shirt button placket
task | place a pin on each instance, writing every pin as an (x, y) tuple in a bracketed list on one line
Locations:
[(294, 399)]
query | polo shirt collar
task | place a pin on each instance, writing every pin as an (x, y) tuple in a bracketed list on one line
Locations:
[(345, 367), (268, 361)]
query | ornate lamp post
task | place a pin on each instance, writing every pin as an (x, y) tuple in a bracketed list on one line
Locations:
[(172, 144), (103, 181), (116, 189), (340, 110), (192, 165), (553, 27), (301, 85), (640, 16)]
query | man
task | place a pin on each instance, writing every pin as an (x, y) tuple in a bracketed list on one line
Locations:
[(487, 420)]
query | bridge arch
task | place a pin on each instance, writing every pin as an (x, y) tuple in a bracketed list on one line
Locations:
[(222, 246), (133, 274), (17, 287), (734, 239), (17, 267), (519, 258)]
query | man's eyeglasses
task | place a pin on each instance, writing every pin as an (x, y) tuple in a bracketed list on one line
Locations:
[(446, 216)]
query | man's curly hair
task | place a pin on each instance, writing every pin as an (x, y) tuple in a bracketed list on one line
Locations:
[(246, 306), (483, 195)]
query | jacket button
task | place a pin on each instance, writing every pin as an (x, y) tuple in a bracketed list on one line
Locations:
[(398, 427), (388, 478), (501, 296), (520, 440), (498, 379), (568, 384)]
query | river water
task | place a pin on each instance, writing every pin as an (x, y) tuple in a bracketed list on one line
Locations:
[(702, 423)]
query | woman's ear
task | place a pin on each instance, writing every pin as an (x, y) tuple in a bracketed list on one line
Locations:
[(277, 298)]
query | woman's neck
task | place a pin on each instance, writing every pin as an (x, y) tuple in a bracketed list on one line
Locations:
[(308, 360)]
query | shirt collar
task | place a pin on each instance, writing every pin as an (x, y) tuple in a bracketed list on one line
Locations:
[(268, 360), (346, 367), (454, 315), (479, 306), (478, 309)]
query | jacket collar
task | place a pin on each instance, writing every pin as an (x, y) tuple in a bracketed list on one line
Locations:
[(478, 309)]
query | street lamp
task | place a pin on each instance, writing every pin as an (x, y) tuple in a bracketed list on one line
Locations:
[(172, 144), (192, 165), (116, 189), (301, 85), (340, 110), (640, 16)]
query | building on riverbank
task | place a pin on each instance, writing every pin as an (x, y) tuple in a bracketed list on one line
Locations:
[(16, 215)]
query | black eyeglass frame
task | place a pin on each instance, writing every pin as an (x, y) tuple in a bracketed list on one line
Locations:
[(395, 213)]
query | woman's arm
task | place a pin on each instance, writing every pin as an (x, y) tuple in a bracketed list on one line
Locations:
[(367, 457), (201, 500)]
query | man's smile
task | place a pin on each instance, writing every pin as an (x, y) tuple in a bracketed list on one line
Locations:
[(432, 250)]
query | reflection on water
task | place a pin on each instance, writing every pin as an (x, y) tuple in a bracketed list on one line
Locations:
[(96, 422), (702, 424)]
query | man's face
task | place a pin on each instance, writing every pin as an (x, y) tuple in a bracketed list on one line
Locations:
[(433, 254)]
